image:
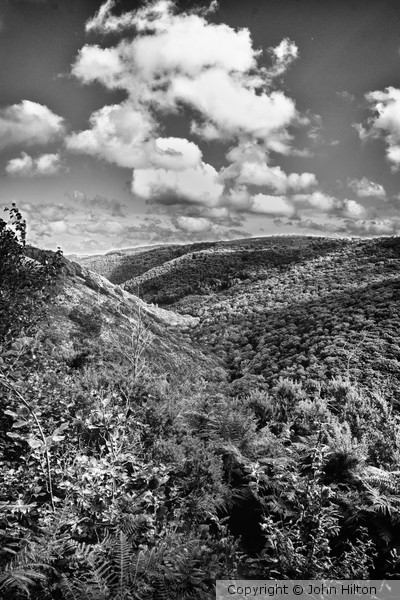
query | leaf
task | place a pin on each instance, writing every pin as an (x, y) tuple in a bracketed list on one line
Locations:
[(19, 424), (62, 427), (15, 436), (11, 413), (34, 442)]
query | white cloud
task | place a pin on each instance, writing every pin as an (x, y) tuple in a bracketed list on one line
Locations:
[(104, 65), (194, 224), (238, 198), (48, 164), (271, 205), (26, 166), (250, 166), (205, 46), (171, 153), (105, 22), (275, 178), (364, 188), (199, 185), (283, 55), (23, 165), (236, 109), (117, 134), (28, 123), (317, 200), (171, 62), (353, 209), (385, 121), (177, 59)]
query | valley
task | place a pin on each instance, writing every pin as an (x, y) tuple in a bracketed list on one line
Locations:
[(174, 415)]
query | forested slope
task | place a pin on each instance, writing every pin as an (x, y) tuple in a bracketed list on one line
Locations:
[(291, 307)]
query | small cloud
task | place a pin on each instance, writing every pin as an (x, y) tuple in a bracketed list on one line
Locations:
[(194, 224), (271, 205), (318, 200), (28, 123), (363, 133), (283, 56), (364, 188), (346, 96), (353, 209), (250, 166), (26, 166)]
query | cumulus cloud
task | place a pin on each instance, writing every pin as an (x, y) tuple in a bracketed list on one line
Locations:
[(283, 56), (28, 123), (385, 122), (177, 59), (364, 188), (318, 200), (199, 185), (172, 153), (271, 205), (236, 109), (104, 65), (122, 134), (194, 224), (250, 166), (167, 62), (26, 166), (158, 50), (353, 209), (117, 134)]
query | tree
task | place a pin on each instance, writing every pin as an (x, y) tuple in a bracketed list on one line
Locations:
[(26, 275)]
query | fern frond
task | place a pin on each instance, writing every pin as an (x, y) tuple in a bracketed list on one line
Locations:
[(20, 578), (71, 591), (23, 571)]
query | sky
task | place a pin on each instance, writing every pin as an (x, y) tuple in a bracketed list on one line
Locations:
[(126, 123)]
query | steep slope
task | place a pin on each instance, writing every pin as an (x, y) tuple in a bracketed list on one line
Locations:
[(90, 316)]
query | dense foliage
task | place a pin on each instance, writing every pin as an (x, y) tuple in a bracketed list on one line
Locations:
[(119, 481), (26, 276)]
